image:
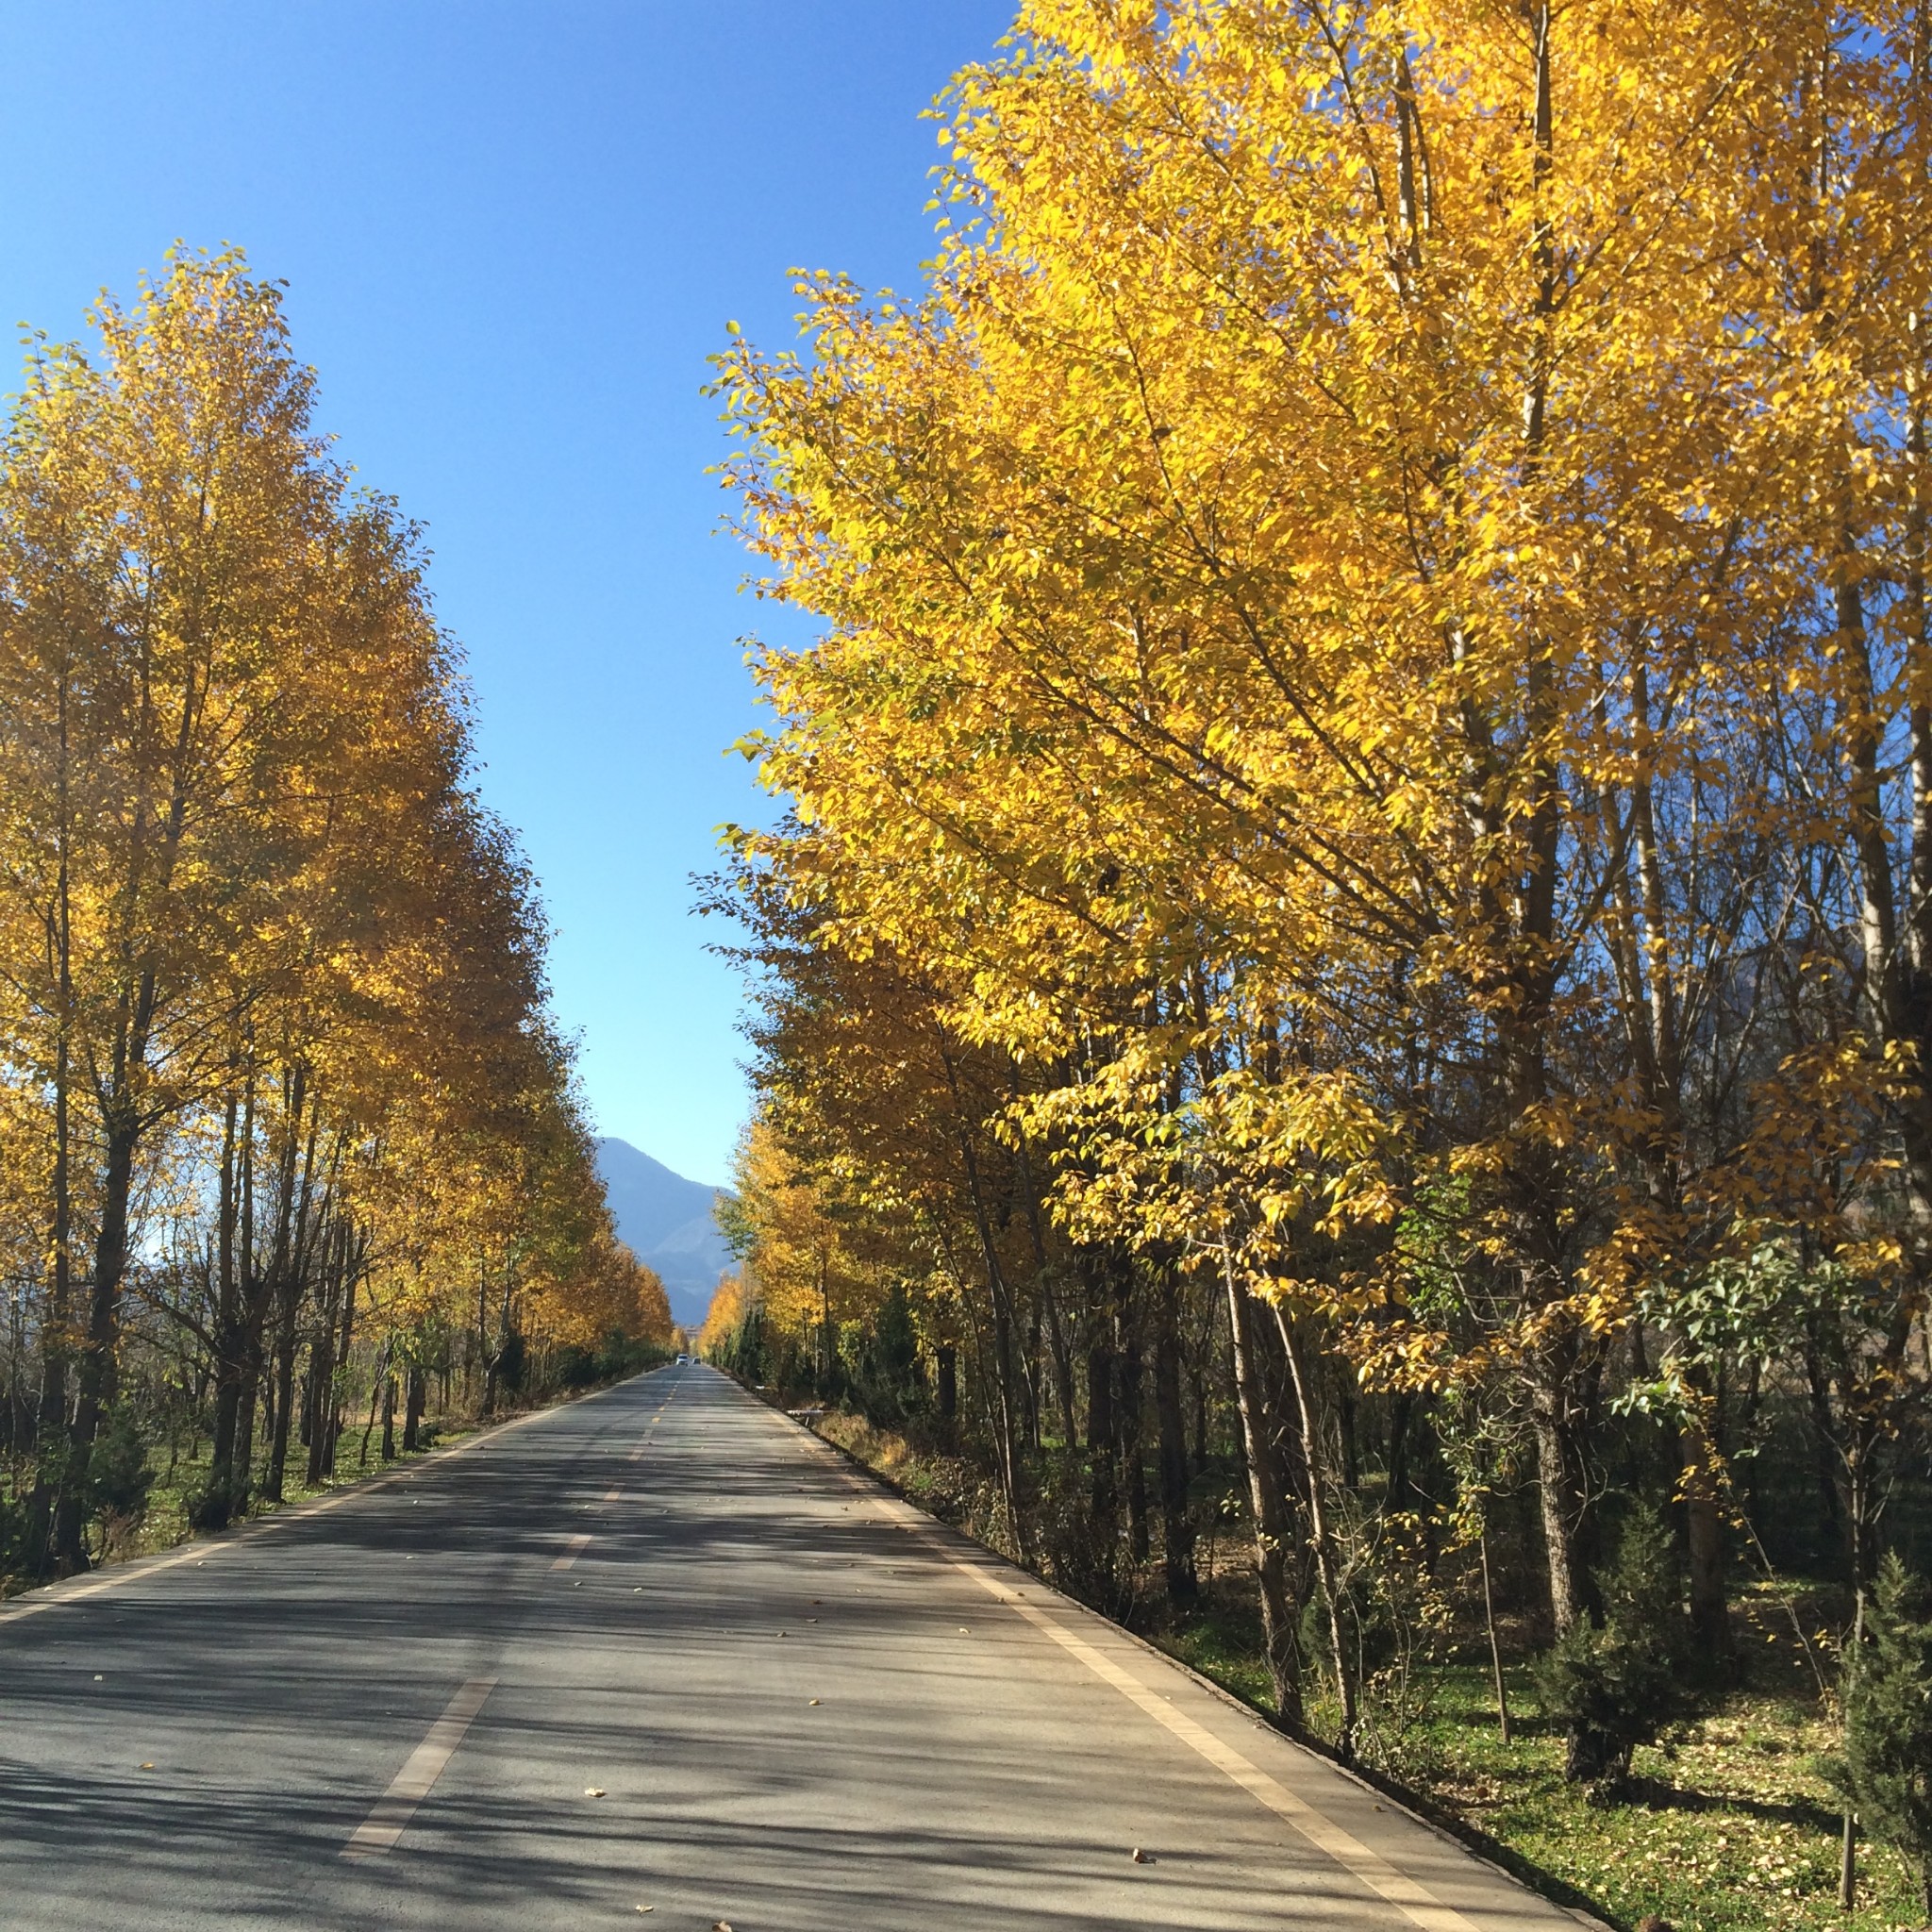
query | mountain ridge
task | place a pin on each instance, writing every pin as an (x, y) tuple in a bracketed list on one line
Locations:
[(668, 1222)]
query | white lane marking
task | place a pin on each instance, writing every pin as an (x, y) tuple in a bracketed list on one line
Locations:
[(1411, 1898), (384, 1825), (572, 1550)]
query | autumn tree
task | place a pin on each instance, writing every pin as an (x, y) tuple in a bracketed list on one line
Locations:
[(257, 935), (1367, 623)]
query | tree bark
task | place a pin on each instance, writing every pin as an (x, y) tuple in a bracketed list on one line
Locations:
[(1279, 1636), (1321, 1530), (415, 1397), (1561, 1492), (1128, 1418), (97, 1360), (1176, 1519), (1102, 1441), (947, 1378), (50, 1464)]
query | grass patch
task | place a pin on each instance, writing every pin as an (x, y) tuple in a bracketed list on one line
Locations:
[(1224, 1642), (1732, 1828)]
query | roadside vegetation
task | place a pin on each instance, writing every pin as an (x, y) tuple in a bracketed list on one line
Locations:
[(1346, 970), (290, 1154)]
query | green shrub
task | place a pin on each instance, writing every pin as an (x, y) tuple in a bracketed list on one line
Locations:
[(1618, 1683), (16, 1557), (880, 1360), (208, 1505), (117, 1473), (1886, 1771), (511, 1362)]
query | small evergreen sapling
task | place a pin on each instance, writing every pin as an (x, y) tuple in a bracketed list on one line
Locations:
[(1887, 1762), (1618, 1683), (118, 1475)]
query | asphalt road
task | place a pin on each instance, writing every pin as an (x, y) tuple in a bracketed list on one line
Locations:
[(658, 1648)]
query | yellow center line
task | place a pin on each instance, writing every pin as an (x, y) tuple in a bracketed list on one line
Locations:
[(572, 1550)]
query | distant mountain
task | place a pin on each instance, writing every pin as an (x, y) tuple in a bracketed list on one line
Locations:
[(667, 1223)]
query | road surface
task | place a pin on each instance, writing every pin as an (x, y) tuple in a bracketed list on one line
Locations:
[(660, 1648)]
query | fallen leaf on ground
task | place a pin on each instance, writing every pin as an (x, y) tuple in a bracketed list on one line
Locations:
[(1142, 1858), (593, 1790), (149, 1766), (814, 1700)]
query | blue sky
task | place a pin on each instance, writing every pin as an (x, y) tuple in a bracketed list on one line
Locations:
[(513, 233)]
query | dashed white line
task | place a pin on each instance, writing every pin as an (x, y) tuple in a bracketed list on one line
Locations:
[(384, 1825)]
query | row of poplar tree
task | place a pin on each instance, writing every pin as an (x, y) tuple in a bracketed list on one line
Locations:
[(282, 1113), (1358, 861)]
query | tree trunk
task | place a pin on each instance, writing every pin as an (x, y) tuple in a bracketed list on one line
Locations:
[(1265, 1501), (50, 1462), (1176, 1519), (250, 1295), (1320, 1531), (1495, 1648), (415, 1397), (1127, 1422), (332, 1414), (1103, 1445), (1006, 1425), (287, 1266), (1560, 1487), (948, 1379), (97, 1360), (1710, 1615), (242, 1464), (375, 1388)]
